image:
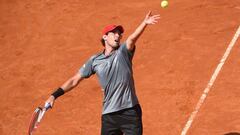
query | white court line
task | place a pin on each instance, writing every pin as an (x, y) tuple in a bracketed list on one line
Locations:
[(210, 83)]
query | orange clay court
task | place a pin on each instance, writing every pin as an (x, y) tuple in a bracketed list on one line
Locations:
[(44, 42)]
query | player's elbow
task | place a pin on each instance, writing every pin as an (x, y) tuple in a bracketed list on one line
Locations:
[(75, 81)]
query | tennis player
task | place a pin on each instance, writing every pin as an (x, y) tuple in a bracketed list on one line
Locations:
[(121, 113)]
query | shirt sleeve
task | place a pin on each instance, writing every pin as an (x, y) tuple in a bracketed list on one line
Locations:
[(87, 69), (129, 54)]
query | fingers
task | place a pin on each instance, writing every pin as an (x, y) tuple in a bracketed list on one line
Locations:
[(50, 102), (154, 20), (151, 19), (47, 105), (156, 16), (149, 13)]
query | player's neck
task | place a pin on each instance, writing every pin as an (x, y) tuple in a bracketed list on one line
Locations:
[(108, 50)]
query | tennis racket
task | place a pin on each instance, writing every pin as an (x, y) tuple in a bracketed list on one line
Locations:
[(37, 117)]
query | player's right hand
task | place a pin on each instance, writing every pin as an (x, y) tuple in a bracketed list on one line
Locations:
[(50, 101)]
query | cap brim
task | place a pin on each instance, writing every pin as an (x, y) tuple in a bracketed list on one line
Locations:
[(119, 27)]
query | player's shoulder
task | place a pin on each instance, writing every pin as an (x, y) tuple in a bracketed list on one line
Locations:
[(122, 46), (93, 57)]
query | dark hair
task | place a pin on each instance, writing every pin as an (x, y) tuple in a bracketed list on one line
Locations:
[(103, 42)]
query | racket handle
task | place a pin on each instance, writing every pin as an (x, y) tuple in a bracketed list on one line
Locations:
[(47, 106)]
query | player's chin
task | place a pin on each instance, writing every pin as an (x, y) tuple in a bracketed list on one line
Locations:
[(116, 45)]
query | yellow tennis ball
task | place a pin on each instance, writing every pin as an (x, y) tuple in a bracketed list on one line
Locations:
[(164, 3)]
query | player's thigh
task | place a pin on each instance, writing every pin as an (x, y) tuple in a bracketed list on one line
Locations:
[(131, 123), (110, 126)]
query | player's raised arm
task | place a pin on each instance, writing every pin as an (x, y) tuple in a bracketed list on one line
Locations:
[(149, 19), (67, 86)]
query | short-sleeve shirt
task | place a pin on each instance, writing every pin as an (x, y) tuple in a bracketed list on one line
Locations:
[(115, 76)]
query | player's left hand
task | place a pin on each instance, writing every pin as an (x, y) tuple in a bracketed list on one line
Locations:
[(151, 19)]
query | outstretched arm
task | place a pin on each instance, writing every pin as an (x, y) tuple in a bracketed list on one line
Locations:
[(149, 19), (67, 86), (72, 82)]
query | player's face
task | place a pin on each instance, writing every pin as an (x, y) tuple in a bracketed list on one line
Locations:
[(113, 38)]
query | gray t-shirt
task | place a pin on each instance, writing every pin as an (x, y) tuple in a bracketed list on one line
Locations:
[(116, 78)]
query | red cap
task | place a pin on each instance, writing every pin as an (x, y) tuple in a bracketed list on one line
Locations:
[(112, 27)]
